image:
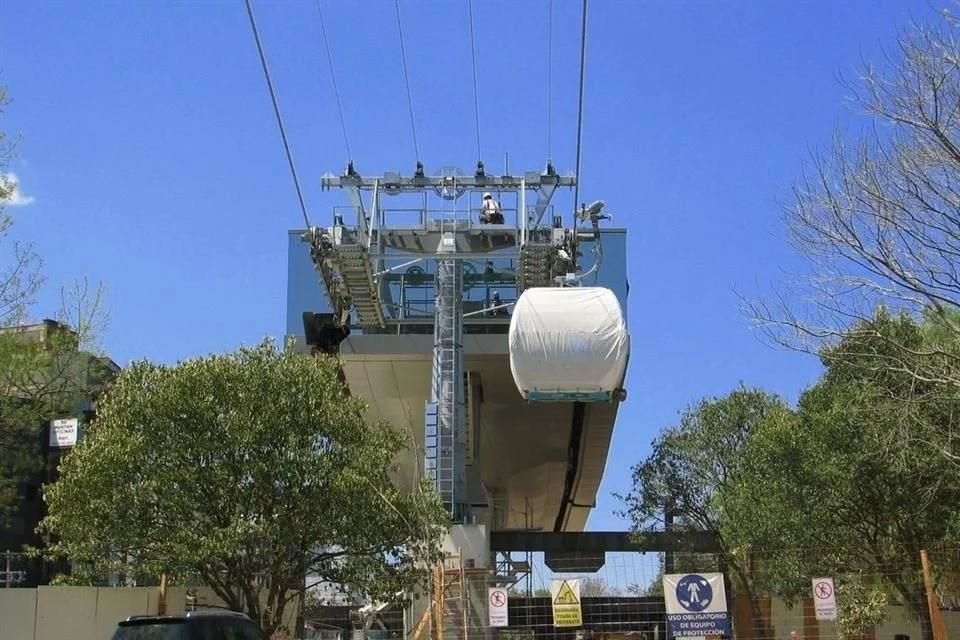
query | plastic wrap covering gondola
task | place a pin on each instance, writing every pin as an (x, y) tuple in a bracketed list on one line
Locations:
[(569, 344)]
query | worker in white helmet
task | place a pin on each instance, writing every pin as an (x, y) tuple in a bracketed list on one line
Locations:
[(490, 210)]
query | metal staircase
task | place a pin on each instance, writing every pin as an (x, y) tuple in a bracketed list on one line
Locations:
[(356, 271), (324, 261)]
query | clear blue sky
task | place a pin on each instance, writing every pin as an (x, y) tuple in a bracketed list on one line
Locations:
[(153, 159)]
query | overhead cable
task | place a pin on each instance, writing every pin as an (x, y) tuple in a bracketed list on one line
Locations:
[(406, 77), (333, 77), (583, 60), (476, 91), (276, 111), (550, 81)]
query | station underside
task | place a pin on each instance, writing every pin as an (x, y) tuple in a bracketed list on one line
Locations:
[(540, 464)]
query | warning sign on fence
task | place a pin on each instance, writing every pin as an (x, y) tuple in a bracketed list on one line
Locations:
[(565, 595), (824, 599), (498, 607)]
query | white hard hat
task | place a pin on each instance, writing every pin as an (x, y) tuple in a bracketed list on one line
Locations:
[(487, 195)]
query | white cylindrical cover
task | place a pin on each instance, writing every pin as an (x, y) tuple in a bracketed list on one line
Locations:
[(568, 340)]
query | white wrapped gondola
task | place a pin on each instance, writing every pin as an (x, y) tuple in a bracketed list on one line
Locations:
[(569, 344)]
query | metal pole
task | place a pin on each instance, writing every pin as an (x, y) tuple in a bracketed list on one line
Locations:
[(522, 213)]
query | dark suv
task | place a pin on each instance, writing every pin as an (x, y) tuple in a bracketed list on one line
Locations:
[(207, 624)]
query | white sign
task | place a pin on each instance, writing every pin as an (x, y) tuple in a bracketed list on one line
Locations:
[(696, 605), (497, 600), (824, 599), (63, 433)]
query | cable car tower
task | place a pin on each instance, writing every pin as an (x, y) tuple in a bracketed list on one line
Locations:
[(439, 238)]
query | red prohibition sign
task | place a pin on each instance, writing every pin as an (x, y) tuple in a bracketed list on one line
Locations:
[(497, 599), (823, 590)]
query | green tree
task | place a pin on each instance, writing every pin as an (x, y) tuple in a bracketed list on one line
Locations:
[(249, 470), (863, 460), (696, 464), (692, 471), (597, 587)]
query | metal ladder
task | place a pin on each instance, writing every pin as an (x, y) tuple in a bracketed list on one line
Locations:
[(445, 438), (324, 261), (356, 271)]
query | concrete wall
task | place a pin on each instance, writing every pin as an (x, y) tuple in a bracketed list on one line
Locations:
[(88, 613)]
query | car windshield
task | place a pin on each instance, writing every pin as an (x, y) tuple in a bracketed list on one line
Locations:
[(153, 630)]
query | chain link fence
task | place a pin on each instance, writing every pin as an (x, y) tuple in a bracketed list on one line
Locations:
[(771, 595), (13, 569)]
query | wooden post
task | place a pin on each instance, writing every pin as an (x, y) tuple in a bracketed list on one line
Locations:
[(422, 623), (162, 604), (936, 620), (438, 603), (464, 600)]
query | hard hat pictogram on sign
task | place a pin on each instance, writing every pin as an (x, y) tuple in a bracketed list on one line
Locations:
[(566, 595)]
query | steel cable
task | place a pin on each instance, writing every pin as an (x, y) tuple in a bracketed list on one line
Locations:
[(406, 77), (333, 77), (276, 111), (583, 59), (476, 90)]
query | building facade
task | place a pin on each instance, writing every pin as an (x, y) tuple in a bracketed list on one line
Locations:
[(40, 422)]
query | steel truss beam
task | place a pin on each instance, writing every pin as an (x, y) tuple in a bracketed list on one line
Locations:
[(392, 183), (602, 541)]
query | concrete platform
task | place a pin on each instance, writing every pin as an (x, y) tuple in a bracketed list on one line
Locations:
[(523, 448)]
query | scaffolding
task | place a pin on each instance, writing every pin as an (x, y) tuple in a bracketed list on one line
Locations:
[(457, 593)]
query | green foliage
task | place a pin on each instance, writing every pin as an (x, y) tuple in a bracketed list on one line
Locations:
[(43, 376), (692, 462), (652, 589), (596, 587), (871, 469), (853, 483), (248, 470), (863, 606), (699, 467)]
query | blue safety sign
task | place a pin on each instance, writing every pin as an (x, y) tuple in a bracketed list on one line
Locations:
[(696, 605)]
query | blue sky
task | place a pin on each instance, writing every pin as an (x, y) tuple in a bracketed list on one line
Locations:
[(149, 147)]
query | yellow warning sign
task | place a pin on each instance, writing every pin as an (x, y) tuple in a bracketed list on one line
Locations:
[(565, 595)]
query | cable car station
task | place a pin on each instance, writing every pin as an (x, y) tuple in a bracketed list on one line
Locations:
[(438, 317)]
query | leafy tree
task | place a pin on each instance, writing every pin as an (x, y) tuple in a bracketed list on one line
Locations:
[(249, 470), (652, 589), (863, 461), (696, 464), (597, 587), (694, 468)]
